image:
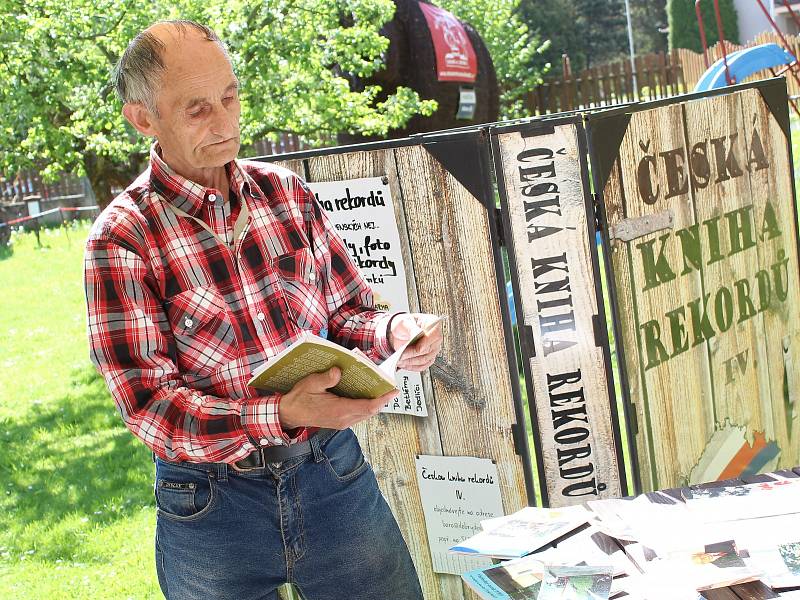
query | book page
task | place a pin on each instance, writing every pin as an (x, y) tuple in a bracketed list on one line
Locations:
[(360, 378)]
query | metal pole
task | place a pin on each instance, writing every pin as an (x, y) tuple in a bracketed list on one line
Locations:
[(630, 46), (702, 32), (721, 35)]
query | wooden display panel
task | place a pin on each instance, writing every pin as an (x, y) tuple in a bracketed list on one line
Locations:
[(448, 254), (542, 178), (701, 223)]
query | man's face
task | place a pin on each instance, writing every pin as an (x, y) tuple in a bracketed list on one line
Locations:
[(197, 125)]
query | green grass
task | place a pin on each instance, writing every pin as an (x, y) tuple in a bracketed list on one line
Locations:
[(76, 510)]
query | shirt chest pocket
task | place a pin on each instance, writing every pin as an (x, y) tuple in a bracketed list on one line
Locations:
[(204, 335), (301, 288)]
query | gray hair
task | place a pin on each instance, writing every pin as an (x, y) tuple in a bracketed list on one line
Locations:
[(137, 74)]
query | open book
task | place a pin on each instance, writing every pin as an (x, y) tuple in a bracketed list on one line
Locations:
[(523, 532), (361, 378)]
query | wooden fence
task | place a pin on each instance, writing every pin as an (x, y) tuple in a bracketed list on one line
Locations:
[(658, 75), (29, 183)]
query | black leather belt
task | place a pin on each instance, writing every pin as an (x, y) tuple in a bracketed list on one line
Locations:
[(261, 456)]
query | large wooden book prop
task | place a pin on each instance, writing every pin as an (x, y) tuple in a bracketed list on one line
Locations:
[(700, 226)]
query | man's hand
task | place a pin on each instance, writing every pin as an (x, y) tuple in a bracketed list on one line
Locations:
[(422, 353), (310, 404)]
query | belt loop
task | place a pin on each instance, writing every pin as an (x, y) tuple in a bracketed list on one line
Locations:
[(222, 471), (316, 451)]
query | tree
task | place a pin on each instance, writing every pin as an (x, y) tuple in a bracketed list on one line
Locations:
[(588, 31), (603, 27), (649, 23), (684, 31), (514, 48), (58, 108)]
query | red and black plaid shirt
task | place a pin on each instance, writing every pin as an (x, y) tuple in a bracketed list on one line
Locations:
[(178, 319)]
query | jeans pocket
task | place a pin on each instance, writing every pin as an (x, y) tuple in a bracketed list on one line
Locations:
[(184, 494), (344, 457)]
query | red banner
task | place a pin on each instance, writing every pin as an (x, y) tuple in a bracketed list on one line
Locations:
[(455, 56)]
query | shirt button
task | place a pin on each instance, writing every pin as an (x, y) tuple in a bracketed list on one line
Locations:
[(261, 316), (212, 197), (188, 322), (312, 277), (263, 441)]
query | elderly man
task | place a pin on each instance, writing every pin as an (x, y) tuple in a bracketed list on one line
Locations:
[(196, 274)]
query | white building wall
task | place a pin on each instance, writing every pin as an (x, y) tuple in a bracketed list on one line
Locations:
[(751, 18)]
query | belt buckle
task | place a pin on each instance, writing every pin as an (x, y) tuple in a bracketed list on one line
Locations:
[(248, 469)]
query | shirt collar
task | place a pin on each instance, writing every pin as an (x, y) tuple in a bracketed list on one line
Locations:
[(187, 195)]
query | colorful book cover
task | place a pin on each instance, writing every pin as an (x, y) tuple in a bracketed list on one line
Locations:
[(576, 583), (518, 579)]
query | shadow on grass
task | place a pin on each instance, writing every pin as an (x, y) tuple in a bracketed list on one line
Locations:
[(69, 466)]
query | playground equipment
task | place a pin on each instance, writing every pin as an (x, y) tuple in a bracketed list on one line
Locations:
[(742, 64), (734, 68)]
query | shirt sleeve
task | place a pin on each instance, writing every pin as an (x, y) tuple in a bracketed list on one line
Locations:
[(132, 346), (354, 321)]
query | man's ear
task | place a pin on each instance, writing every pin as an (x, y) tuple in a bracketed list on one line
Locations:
[(140, 117)]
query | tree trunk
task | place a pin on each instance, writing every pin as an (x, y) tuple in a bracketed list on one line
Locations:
[(105, 175)]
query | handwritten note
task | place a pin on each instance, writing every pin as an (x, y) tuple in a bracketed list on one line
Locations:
[(458, 492), (362, 212)]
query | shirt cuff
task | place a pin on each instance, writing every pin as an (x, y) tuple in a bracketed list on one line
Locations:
[(261, 422), (381, 343)]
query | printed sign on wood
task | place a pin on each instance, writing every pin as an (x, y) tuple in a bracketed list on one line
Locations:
[(543, 189), (701, 223)]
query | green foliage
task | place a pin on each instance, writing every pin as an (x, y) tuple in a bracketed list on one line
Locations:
[(58, 108), (290, 55), (590, 32), (603, 30), (684, 31), (649, 22), (513, 47), (55, 59)]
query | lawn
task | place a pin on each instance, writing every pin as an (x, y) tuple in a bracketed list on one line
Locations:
[(77, 513)]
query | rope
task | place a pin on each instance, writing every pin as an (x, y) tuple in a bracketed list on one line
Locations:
[(58, 209)]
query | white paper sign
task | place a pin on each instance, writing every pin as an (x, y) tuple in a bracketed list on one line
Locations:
[(458, 492), (362, 212)]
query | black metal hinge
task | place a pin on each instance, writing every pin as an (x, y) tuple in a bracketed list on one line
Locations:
[(599, 331), (598, 222), (633, 420), (498, 221), (518, 435)]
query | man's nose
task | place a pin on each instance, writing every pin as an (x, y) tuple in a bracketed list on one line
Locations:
[(223, 123)]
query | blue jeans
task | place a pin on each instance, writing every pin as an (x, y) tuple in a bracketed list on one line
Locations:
[(318, 521)]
